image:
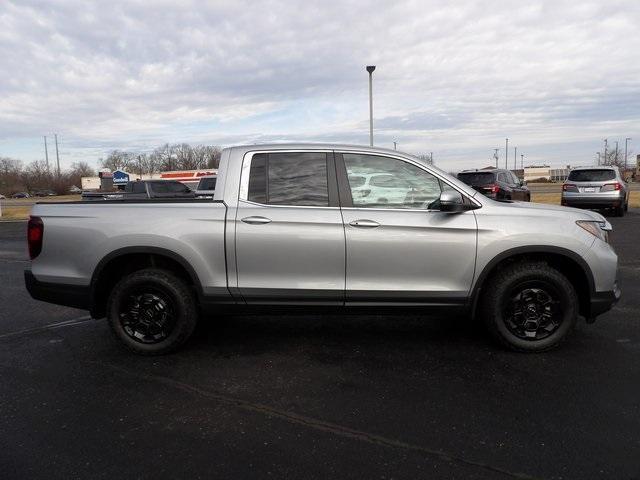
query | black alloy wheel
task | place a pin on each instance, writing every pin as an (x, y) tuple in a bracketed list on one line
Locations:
[(148, 315), (532, 310)]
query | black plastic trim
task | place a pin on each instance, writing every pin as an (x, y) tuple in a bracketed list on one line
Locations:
[(332, 184), (76, 296), (602, 302), (531, 249), (146, 250), (344, 190)]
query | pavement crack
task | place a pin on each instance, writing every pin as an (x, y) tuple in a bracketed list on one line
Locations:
[(311, 422), (51, 326)]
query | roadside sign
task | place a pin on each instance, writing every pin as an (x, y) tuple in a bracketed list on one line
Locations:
[(120, 177)]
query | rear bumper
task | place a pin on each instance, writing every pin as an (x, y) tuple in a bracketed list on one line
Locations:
[(594, 200), (76, 296), (602, 302)]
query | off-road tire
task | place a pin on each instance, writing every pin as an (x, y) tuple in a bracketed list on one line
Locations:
[(176, 294), (619, 211), (520, 275)]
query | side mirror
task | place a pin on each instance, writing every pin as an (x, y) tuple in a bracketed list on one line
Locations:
[(451, 201)]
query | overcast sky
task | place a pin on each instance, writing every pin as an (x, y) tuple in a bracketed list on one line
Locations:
[(453, 77)]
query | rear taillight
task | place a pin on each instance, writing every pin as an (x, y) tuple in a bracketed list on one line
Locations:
[(569, 187), (35, 233), (495, 188), (609, 187)]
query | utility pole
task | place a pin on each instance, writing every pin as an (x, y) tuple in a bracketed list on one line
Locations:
[(495, 155), (57, 155), (605, 151), (370, 69), (431, 158), (46, 153), (626, 140), (506, 154), (598, 157), (616, 160), (522, 163), (515, 158), (395, 145)]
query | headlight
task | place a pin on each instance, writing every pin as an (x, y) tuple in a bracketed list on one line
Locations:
[(595, 228)]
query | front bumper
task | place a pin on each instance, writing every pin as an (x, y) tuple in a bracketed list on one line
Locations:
[(76, 296), (602, 302)]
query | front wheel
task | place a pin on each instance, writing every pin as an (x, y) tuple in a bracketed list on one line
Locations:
[(529, 307), (152, 311)]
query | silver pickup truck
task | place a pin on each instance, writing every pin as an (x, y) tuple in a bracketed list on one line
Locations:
[(294, 226)]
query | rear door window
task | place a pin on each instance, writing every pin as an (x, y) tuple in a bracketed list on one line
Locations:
[(289, 178), (595, 175)]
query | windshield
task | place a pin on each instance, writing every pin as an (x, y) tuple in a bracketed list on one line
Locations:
[(595, 175), (477, 178)]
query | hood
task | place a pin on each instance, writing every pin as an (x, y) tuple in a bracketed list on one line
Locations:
[(585, 214)]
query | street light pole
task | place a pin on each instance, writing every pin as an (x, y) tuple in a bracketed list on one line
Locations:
[(506, 154), (495, 155), (395, 145), (616, 160), (55, 135), (46, 153), (515, 158), (370, 69), (626, 140), (605, 151), (522, 163)]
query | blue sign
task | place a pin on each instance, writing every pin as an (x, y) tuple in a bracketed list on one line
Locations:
[(120, 177)]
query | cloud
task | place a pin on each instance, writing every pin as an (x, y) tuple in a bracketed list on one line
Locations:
[(453, 77)]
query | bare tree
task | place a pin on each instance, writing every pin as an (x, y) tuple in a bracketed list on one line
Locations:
[(77, 171), (616, 159), (10, 175), (118, 160), (213, 155), (36, 176), (166, 157)]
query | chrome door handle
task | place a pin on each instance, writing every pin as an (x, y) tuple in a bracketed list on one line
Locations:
[(256, 220), (364, 223)]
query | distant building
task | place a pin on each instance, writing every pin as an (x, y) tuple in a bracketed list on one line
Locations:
[(537, 172)]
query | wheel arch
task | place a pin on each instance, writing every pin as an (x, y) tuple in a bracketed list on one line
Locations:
[(113, 266), (566, 261)]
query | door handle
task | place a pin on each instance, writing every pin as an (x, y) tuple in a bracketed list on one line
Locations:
[(256, 220), (364, 223)]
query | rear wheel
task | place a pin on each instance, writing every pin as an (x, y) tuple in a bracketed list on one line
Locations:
[(529, 307), (619, 211), (152, 311)]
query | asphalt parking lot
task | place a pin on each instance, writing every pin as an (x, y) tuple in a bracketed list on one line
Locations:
[(316, 396)]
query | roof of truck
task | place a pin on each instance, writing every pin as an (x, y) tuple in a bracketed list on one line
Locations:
[(318, 146)]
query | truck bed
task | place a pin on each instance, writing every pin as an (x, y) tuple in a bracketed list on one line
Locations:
[(79, 235)]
